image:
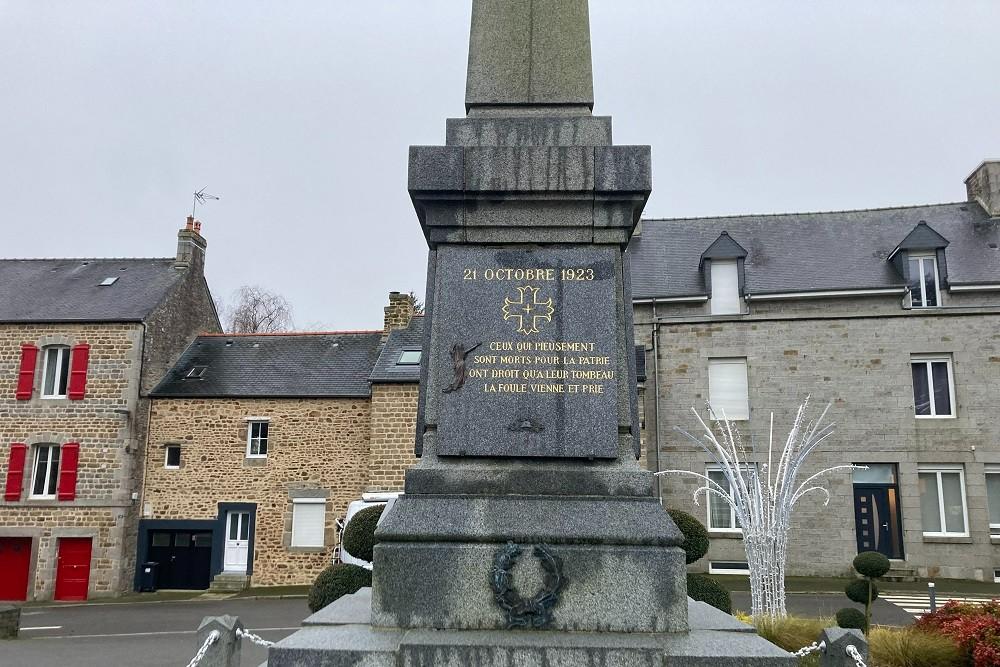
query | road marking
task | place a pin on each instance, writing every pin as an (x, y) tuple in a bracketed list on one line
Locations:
[(43, 627), (919, 604), (150, 634)]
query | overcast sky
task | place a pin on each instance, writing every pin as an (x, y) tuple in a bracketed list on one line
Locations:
[(299, 115)]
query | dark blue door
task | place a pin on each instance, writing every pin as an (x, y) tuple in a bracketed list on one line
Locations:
[(877, 519)]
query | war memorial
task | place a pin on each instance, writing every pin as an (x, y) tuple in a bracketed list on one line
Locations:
[(528, 535)]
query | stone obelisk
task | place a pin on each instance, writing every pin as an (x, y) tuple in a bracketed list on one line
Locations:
[(527, 508)]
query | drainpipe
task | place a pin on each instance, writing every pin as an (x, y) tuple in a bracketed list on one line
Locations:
[(656, 401)]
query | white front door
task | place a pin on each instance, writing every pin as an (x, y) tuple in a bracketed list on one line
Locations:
[(237, 541)]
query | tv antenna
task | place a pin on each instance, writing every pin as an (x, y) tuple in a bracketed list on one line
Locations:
[(202, 197)]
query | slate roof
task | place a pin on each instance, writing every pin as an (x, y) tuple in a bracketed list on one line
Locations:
[(798, 252), (68, 290), (411, 338), (275, 366)]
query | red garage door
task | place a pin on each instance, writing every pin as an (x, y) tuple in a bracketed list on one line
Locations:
[(15, 560), (73, 570)]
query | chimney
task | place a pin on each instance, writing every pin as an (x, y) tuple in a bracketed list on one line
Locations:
[(983, 187), (191, 247), (398, 313)]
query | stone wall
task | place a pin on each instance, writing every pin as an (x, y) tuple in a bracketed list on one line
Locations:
[(398, 313), (854, 354), (319, 445), (102, 423), (394, 420)]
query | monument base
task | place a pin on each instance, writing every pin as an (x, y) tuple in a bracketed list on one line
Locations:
[(341, 635)]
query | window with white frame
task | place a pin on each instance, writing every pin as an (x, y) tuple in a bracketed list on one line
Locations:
[(409, 358), (725, 287), (925, 291), (45, 471), (728, 567), (942, 501), (308, 522), (721, 515), (993, 498), (257, 429), (172, 457), (55, 371), (728, 391), (933, 386)]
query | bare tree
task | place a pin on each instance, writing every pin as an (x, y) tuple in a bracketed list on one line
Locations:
[(253, 309)]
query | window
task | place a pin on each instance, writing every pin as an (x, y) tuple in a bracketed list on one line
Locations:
[(109, 281), (942, 501), (728, 567), (196, 373), (725, 287), (409, 357), (727, 388), (933, 387), (993, 498), (924, 290), (55, 372), (308, 522), (46, 471), (257, 438), (721, 516), (173, 457)]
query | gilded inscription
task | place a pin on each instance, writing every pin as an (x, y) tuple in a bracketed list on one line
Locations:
[(529, 311)]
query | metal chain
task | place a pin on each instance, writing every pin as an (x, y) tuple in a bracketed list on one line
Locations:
[(812, 648), (852, 651), (256, 639), (212, 637)]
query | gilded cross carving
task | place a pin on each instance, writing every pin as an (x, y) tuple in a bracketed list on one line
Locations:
[(528, 311)]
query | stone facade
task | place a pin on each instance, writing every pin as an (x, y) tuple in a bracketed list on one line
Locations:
[(316, 447), (855, 353), (394, 420)]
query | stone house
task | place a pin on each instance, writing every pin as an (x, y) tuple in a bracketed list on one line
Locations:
[(81, 342), (257, 443), (890, 315)]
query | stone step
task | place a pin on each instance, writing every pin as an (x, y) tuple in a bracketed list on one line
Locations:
[(229, 582), (899, 573)]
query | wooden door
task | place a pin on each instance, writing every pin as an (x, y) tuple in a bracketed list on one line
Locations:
[(15, 564), (73, 568), (237, 542)]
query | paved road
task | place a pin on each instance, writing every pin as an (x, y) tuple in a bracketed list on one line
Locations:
[(142, 634), (919, 604), (827, 604)]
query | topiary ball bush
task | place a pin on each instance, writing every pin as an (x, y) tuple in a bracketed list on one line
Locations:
[(849, 617), (871, 564), (359, 535), (709, 590), (857, 591), (695, 535), (335, 582)]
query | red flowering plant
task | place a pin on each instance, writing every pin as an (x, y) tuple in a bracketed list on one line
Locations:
[(974, 627)]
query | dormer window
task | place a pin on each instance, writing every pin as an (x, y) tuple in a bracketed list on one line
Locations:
[(725, 298), (924, 285)]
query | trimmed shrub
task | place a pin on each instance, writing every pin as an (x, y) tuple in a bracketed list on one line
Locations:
[(849, 617), (335, 582), (709, 590), (871, 564), (910, 647), (857, 591), (359, 535), (695, 535)]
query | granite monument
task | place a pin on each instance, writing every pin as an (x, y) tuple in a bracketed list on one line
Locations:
[(528, 533)]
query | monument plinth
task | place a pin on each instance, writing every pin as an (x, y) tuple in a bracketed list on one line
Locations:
[(528, 508)]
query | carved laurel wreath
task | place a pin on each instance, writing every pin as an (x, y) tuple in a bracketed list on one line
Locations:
[(535, 612)]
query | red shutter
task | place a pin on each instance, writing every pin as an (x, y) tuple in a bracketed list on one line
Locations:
[(68, 458), (15, 471), (78, 371), (26, 376)]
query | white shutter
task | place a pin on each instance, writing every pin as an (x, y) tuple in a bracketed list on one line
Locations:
[(727, 388), (725, 287), (308, 522)]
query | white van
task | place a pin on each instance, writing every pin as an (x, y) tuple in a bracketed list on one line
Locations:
[(367, 500)]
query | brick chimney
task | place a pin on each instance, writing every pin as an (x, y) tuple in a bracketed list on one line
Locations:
[(191, 247), (398, 313), (983, 187)]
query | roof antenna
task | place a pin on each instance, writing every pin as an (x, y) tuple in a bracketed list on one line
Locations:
[(202, 197)]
